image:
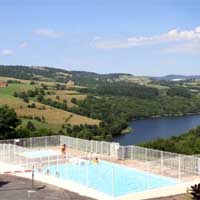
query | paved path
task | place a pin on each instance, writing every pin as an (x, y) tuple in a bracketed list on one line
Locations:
[(17, 188)]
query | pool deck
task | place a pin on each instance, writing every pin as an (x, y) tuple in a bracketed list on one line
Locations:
[(90, 193), (151, 194), (17, 188)]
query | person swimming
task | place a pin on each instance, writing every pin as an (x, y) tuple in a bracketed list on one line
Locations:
[(96, 161)]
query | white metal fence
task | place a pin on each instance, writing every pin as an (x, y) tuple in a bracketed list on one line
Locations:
[(181, 163), (164, 161)]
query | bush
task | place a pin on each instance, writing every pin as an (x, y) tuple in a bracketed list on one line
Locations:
[(30, 126), (74, 100)]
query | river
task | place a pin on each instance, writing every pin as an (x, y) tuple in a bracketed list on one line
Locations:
[(150, 129)]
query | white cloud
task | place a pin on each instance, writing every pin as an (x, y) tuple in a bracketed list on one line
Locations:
[(6, 52), (23, 45), (173, 35), (48, 33)]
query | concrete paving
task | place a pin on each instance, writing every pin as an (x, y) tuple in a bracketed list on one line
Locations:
[(17, 188), (175, 197)]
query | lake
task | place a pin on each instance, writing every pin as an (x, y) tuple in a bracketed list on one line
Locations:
[(150, 129)]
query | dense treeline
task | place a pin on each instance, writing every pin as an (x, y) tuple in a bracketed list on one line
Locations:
[(55, 104), (179, 91), (91, 132), (188, 143), (30, 73), (115, 113), (134, 108), (122, 89), (30, 93)]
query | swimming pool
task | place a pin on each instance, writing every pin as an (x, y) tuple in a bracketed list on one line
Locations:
[(40, 153), (109, 178)]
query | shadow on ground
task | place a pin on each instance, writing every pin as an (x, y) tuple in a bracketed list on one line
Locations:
[(2, 183)]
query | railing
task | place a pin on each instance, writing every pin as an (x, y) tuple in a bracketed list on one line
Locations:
[(184, 163), (162, 159)]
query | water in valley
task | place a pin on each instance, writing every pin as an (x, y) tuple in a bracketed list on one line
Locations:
[(150, 129)]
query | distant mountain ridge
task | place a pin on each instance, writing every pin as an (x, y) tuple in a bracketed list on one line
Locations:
[(176, 77), (55, 74), (81, 77)]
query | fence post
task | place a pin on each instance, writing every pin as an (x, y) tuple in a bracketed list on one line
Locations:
[(9, 155), (14, 153), (57, 162), (145, 154), (48, 161), (33, 177), (123, 152), (113, 182), (31, 145), (198, 166), (45, 141), (179, 167), (87, 175), (76, 143), (3, 156), (132, 152), (161, 157), (91, 146)]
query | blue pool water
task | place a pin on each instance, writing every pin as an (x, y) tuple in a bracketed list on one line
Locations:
[(109, 178), (39, 153)]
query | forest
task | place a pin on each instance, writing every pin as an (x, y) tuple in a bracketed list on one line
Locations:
[(188, 143)]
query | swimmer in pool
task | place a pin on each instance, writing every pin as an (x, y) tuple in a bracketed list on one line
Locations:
[(96, 161)]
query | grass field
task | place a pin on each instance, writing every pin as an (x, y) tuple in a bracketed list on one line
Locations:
[(14, 79), (56, 116), (11, 88), (49, 83), (40, 125), (67, 97), (53, 116), (63, 92)]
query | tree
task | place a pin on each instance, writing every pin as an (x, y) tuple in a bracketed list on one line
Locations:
[(74, 100), (179, 91), (40, 98), (32, 83), (8, 123), (30, 126), (15, 94)]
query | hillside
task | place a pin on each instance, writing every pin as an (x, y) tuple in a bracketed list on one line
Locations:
[(55, 74), (53, 117), (90, 105), (187, 143)]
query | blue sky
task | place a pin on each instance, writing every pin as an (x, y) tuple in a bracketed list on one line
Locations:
[(143, 37)]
